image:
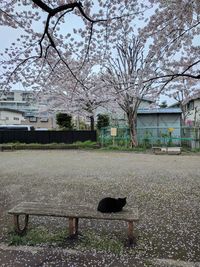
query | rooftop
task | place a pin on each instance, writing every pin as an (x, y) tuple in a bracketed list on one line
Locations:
[(159, 110), (11, 110)]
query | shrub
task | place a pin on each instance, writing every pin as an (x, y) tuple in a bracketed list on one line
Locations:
[(102, 120), (64, 120)]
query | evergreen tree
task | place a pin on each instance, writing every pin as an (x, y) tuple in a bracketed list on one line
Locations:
[(64, 120), (102, 120)]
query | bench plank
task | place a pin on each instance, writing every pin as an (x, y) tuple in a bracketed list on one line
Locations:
[(174, 150), (159, 150), (167, 150), (79, 211)]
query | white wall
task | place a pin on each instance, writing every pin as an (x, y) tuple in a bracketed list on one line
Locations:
[(10, 117), (191, 115)]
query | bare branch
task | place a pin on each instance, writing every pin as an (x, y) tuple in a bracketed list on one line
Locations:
[(177, 75), (18, 66)]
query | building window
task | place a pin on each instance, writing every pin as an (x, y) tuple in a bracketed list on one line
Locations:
[(44, 119), (33, 119), (16, 119), (190, 105)]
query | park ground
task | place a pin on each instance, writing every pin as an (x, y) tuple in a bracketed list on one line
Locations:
[(165, 188)]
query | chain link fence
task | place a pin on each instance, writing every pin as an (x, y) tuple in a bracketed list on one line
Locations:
[(152, 136)]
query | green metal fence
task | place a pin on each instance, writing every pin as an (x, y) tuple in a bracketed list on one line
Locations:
[(122, 138), (151, 136)]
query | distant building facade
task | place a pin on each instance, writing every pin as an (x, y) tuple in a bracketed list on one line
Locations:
[(11, 116), (118, 116), (23, 103), (159, 122), (19, 100), (192, 110)]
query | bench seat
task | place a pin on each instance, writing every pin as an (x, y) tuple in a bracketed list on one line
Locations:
[(73, 213), (159, 150), (167, 150), (174, 150)]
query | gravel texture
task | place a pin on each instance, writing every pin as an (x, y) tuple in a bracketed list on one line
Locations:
[(164, 187)]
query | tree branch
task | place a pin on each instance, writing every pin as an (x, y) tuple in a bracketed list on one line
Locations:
[(177, 75)]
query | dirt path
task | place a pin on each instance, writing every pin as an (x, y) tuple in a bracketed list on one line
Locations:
[(165, 188)]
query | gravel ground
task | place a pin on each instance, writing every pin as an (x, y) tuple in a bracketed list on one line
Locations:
[(165, 189)]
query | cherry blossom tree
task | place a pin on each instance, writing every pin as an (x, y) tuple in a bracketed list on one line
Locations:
[(182, 91), (175, 29), (79, 99), (48, 32), (88, 100), (124, 75), (53, 35)]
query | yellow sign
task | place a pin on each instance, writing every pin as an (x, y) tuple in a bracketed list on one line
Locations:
[(170, 130), (113, 131)]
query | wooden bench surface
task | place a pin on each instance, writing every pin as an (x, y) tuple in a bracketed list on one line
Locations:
[(166, 150), (175, 149), (78, 211)]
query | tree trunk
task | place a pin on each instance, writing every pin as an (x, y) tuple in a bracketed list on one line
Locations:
[(132, 121), (92, 123), (184, 114)]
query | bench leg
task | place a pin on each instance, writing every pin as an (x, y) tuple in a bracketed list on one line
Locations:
[(76, 226), (17, 228), (131, 238), (71, 226)]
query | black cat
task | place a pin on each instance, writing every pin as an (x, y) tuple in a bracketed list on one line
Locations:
[(110, 204)]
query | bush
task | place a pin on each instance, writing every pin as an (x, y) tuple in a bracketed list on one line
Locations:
[(102, 120), (64, 121), (87, 144)]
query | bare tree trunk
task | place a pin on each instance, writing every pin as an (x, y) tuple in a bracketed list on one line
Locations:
[(132, 121), (195, 116), (183, 115), (92, 123)]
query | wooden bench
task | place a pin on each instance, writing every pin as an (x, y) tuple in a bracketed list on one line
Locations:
[(174, 150), (7, 147), (73, 214), (167, 150), (159, 150)]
